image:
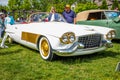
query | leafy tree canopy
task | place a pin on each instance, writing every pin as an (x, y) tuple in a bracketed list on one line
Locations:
[(115, 4), (87, 6), (104, 5)]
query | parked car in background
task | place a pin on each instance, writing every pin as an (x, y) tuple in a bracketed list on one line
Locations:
[(105, 18), (58, 37)]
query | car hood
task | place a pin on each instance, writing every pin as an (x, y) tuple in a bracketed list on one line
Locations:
[(56, 29), (59, 28)]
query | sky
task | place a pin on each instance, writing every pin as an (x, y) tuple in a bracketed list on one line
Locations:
[(3, 2)]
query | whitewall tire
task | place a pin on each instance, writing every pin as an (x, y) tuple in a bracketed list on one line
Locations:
[(45, 49)]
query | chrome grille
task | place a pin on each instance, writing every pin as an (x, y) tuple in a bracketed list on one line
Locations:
[(90, 41)]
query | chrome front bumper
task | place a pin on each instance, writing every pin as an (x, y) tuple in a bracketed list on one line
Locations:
[(78, 49)]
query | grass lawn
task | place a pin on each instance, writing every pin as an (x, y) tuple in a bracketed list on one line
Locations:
[(21, 63)]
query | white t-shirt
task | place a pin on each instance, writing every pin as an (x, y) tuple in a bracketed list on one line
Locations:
[(7, 20), (52, 17)]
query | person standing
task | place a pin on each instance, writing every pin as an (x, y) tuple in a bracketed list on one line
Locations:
[(9, 20), (69, 15), (2, 27), (53, 16)]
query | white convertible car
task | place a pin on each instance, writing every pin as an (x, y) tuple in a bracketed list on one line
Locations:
[(58, 37)]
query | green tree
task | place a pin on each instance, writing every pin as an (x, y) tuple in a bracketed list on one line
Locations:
[(104, 5), (115, 4), (44, 4), (59, 7), (35, 4), (15, 4), (3, 8), (60, 4), (88, 6), (26, 5)]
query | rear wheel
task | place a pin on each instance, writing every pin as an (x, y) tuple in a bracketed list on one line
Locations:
[(45, 49)]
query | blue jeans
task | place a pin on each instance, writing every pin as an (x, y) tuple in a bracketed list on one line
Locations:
[(1, 32)]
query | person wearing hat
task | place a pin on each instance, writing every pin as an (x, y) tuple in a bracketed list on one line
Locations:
[(53, 16), (9, 20), (69, 15), (2, 27)]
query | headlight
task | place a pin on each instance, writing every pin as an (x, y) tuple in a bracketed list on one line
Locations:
[(67, 38), (72, 38), (111, 34), (64, 39)]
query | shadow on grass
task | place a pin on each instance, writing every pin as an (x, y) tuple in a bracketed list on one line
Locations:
[(69, 60), (73, 59), (86, 58), (7, 52)]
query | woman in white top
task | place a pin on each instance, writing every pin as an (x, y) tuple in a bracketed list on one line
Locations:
[(53, 16)]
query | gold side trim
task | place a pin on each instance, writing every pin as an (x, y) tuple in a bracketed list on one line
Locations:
[(30, 37)]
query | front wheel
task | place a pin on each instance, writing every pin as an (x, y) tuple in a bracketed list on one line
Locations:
[(45, 49)]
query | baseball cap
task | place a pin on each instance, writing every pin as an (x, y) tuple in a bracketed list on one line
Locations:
[(68, 6)]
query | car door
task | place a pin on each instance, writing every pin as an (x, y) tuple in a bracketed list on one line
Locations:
[(15, 32)]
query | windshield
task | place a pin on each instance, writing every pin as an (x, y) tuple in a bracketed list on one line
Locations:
[(43, 17), (111, 14)]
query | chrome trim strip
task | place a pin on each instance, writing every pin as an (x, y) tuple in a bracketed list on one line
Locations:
[(77, 49)]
